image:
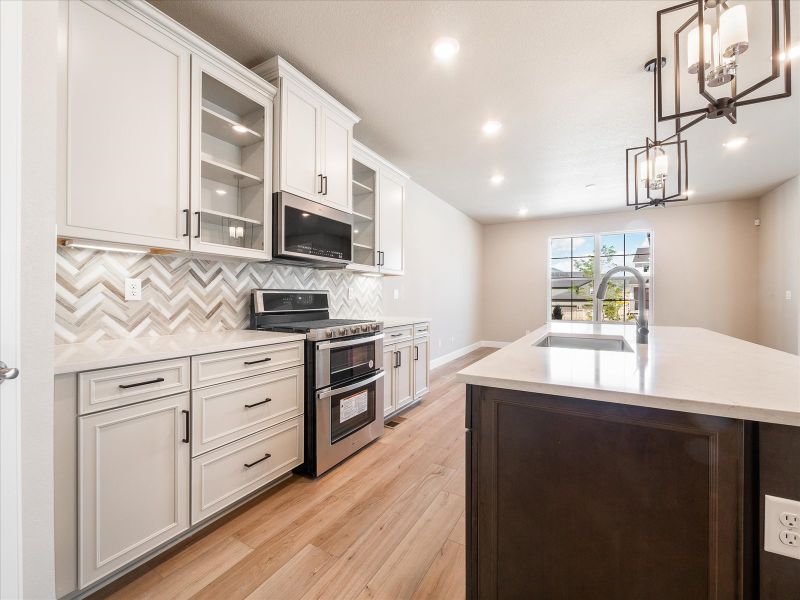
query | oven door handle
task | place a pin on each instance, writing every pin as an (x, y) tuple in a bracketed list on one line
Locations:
[(344, 343), (327, 393)]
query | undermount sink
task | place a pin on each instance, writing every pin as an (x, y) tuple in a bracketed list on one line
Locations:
[(607, 343)]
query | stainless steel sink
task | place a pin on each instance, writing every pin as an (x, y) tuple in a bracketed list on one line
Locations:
[(607, 343)]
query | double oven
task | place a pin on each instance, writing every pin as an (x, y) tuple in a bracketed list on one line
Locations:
[(347, 398)]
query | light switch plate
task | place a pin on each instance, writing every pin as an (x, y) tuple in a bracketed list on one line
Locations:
[(788, 295), (396, 294), (133, 289), (778, 536)]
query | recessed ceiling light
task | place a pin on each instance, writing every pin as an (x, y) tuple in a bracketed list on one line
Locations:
[(305, 215), (496, 179), (522, 212), (734, 143), (239, 128), (221, 192), (590, 187), (794, 52), (491, 127), (444, 49), (689, 193)]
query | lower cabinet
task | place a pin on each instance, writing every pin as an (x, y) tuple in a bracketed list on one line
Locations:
[(223, 476), (422, 366), (133, 482), (406, 360)]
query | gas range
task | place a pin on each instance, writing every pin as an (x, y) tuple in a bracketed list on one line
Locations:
[(303, 312)]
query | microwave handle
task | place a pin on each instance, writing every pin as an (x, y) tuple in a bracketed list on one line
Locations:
[(344, 343), (327, 393)]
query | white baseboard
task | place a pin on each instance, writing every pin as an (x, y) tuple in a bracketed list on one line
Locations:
[(451, 356)]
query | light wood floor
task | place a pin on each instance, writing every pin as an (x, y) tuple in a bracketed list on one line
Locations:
[(387, 524)]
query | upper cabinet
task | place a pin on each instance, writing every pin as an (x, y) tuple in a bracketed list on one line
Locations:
[(378, 200), (313, 138), (127, 129), (231, 176), (167, 143)]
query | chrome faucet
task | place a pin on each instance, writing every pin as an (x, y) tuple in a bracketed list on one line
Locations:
[(641, 320)]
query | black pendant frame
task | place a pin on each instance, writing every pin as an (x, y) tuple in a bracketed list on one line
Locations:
[(726, 106)]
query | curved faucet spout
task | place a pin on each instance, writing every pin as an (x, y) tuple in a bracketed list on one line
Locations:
[(641, 320)]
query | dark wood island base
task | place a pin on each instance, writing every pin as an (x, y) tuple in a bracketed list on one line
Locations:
[(574, 499)]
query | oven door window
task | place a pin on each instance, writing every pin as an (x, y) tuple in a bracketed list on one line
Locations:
[(349, 362), (315, 235), (352, 410)]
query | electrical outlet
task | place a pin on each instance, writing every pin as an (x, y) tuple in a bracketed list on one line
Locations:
[(782, 526), (133, 289), (440, 342), (396, 294), (788, 294), (349, 292)]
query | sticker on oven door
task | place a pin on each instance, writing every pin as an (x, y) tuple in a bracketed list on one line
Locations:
[(353, 406)]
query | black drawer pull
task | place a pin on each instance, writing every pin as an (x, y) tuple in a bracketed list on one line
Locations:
[(255, 362), (185, 440), (396, 334), (258, 403), (266, 456), (132, 385)]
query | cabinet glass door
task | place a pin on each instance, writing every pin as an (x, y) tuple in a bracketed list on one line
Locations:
[(231, 137), (365, 238)]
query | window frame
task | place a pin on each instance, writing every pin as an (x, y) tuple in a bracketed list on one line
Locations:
[(597, 304)]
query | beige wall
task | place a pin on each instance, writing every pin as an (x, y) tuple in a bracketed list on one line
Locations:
[(704, 267), (778, 257), (443, 270)]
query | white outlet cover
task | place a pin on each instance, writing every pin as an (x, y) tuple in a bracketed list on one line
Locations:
[(788, 294), (774, 507), (396, 294), (133, 289)]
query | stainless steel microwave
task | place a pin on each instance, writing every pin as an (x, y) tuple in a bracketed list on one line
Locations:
[(306, 232)]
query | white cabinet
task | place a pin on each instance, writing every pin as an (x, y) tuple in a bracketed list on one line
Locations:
[(389, 359), (133, 471), (404, 374), (148, 104), (378, 213), (126, 139), (399, 365), (313, 138), (422, 366)]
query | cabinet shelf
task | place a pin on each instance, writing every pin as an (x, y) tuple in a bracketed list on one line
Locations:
[(362, 186), (221, 127), (362, 216), (224, 215), (211, 169)]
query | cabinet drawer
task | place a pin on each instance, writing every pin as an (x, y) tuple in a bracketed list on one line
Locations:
[(398, 334), (221, 477), (120, 386), (228, 411), (221, 367), (422, 329)]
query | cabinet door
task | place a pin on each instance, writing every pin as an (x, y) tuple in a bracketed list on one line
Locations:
[(337, 138), (127, 130), (300, 171), (231, 164), (389, 360), (133, 482), (421, 366), (392, 196), (405, 373)]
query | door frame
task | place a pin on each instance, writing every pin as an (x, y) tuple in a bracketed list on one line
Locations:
[(10, 451)]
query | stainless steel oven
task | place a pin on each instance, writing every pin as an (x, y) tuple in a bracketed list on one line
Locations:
[(308, 232), (340, 360), (348, 417)]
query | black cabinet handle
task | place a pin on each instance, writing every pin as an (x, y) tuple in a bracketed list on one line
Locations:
[(187, 224), (198, 224), (396, 334), (320, 183), (266, 456), (258, 403), (325, 181), (255, 362), (185, 439), (416, 352), (133, 385)]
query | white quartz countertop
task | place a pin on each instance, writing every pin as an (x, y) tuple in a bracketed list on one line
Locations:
[(402, 321), (682, 368), (71, 358)]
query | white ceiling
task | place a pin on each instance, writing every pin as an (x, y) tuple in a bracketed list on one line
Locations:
[(564, 77)]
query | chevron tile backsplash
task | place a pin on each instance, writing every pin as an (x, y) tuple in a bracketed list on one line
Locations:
[(182, 294)]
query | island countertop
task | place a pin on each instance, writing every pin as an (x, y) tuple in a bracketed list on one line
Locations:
[(685, 369)]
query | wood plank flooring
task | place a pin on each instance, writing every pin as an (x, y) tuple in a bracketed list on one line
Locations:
[(387, 524)]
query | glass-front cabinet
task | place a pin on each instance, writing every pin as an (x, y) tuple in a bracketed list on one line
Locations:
[(231, 174), (365, 240)]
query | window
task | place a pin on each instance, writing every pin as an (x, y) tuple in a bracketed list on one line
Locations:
[(577, 263)]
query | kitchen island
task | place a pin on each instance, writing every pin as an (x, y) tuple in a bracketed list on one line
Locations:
[(637, 472)]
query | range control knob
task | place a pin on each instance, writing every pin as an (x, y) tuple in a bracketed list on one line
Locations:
[(329, 333), (375, 327), (342, 331), (355, 329), (365, 328)]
